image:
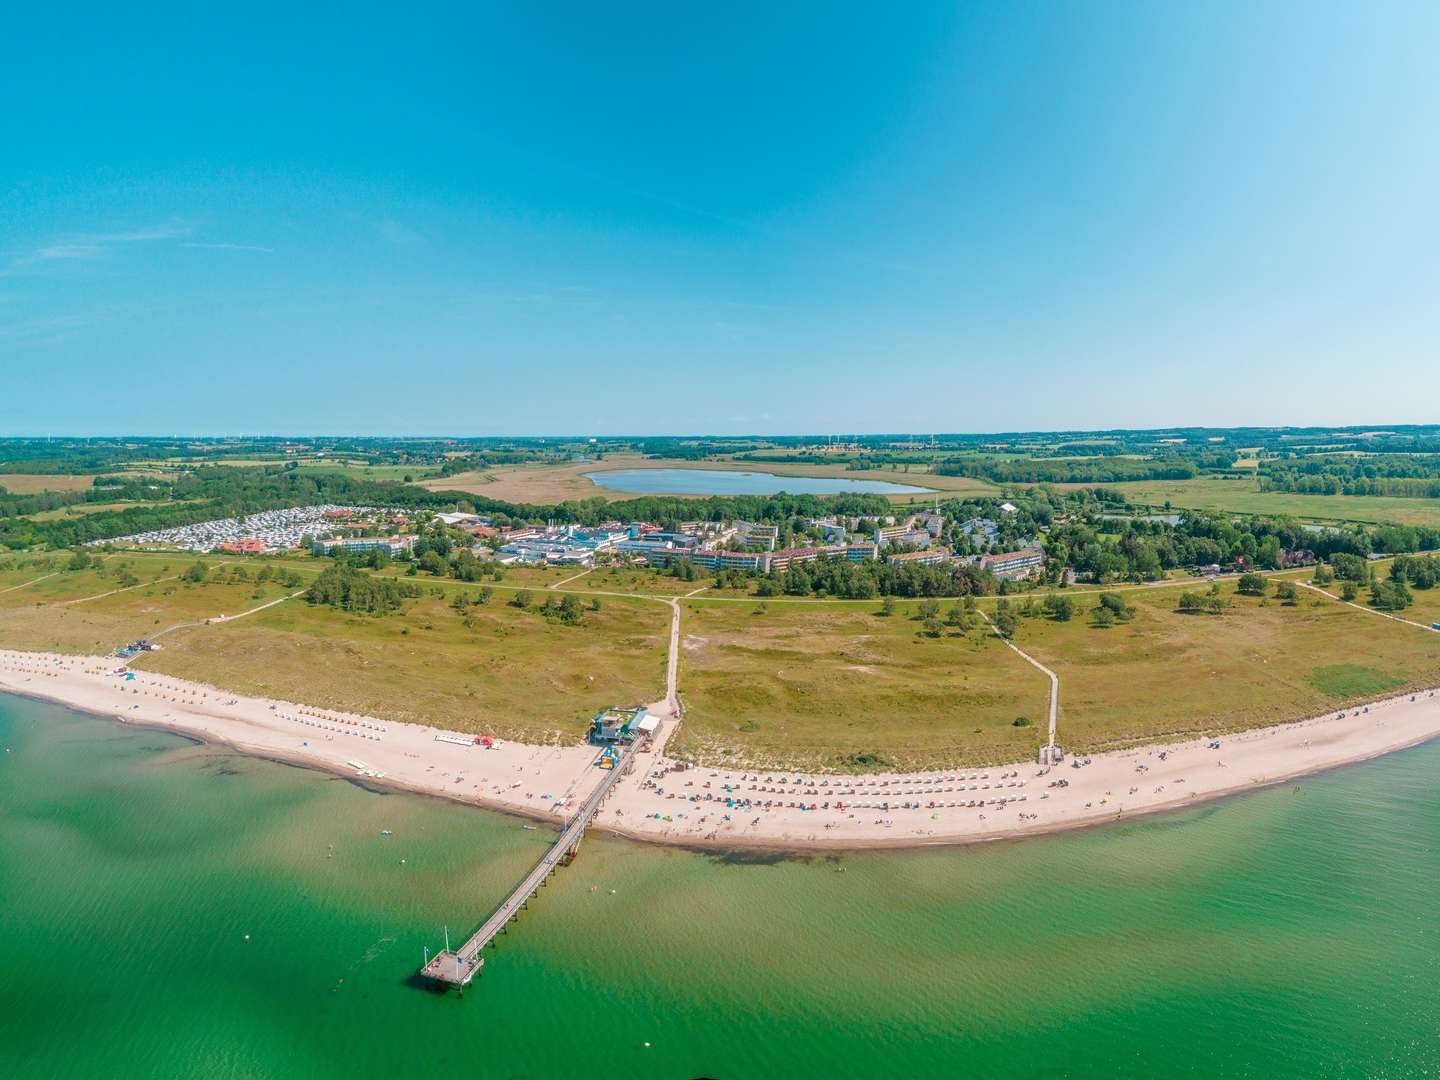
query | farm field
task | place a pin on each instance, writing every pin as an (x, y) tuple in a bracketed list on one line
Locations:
[(1165, 674), (307, 464), (819, 686), (1243, 495), (510, 673), (362, 470), (33, 483), (83, 509)]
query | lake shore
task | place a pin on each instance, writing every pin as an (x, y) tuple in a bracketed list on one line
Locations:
[(663, 801)]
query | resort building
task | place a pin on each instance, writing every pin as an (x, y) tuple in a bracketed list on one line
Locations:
[(1015, 564), (248, 546), (644, 548), (981, 530), (887, 534), (788, 557), (553, 551), (708, 530), (832, 531), (753, 561), (595, 539), (391, 545), (461, 519), (930, 557), (750, 533)]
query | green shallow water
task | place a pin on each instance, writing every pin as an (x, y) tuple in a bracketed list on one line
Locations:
[(1291, 932)]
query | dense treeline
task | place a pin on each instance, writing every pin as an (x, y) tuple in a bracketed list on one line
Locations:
[(344, 586), (89, 455), (1143, 550), (1093, 470), (863, 580), (1401, 475)]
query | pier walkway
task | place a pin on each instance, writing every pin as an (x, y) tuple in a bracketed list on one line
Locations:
[(457, 967)]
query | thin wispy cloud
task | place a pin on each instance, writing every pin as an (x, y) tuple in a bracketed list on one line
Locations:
[(67, 251), (92, 246), (257, 248)]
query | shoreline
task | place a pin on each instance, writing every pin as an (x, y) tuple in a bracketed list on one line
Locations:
[(666, 802)]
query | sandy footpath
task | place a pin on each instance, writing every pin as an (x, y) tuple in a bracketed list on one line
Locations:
[(666, 802)]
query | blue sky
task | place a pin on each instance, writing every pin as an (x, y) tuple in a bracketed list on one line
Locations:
[(653, 219)]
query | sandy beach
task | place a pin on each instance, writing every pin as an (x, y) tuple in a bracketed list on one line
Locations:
[(665, 801)]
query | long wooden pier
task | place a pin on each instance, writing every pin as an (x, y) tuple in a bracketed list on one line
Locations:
[(458, 966)]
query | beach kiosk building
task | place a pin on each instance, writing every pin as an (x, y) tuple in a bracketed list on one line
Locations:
[(616, 727)]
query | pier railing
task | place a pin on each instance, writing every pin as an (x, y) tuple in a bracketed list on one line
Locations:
[(458, 966)]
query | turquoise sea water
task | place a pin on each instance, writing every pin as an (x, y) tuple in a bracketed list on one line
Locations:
[(721, 482), (1293, 932)]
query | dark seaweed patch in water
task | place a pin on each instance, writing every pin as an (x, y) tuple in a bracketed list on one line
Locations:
[(362, 785), (223, 766), (757, 858)]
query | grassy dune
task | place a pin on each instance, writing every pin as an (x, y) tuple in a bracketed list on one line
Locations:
[(511, 673), (1426, 606), (814, 685), (71, 611), (1168, 674), (780, 683)]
